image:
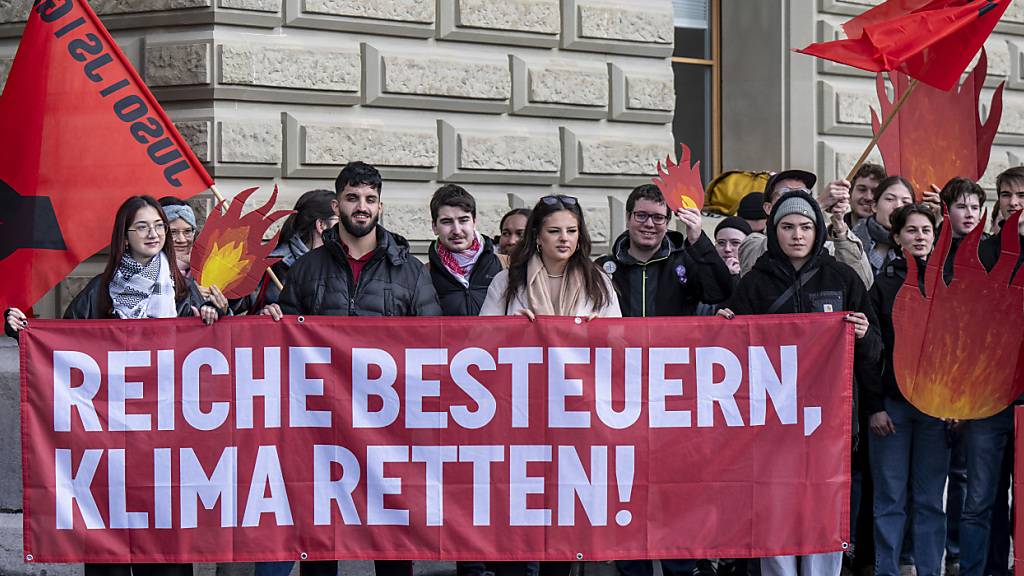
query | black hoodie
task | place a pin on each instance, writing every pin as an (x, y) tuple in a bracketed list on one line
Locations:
[(673, 282), (831, 286)]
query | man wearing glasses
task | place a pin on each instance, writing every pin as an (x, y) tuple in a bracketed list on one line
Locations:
[(658, 272), (841, 242)]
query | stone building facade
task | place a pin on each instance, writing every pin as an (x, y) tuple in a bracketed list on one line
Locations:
[(514, 99)]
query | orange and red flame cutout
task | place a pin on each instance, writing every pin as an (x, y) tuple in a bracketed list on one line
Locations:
[(680, 183), (958, 350), (938, 134), (230, 253)]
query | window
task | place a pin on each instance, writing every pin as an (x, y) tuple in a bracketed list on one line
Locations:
[(697, 80)]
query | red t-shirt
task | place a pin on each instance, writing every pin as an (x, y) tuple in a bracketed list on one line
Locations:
[(357, 264)]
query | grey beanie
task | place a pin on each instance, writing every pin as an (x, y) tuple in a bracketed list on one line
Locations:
[(793, 205), (176, 211)]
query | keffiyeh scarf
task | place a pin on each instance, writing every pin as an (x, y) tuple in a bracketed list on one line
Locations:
[(139, 291)]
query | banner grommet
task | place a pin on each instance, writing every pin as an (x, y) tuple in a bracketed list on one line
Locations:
[(301, 319), (303, 555), (29, 558), (579, 555)]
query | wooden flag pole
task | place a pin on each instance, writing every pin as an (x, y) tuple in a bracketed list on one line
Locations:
[(881, 129), (270, 273)]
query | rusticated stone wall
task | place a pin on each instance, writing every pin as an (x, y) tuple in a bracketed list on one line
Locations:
[(845, 95), (514, 99)]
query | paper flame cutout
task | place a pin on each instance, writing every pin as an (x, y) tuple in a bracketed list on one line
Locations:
[(958, 347), (230, 252), (680, 182), (938, 135)]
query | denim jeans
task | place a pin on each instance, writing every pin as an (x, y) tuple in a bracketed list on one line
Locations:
[(828, 564), (985, 439), (274, 568), (917, 452), (956, 491)]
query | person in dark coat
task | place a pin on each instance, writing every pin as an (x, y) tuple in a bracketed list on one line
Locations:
[(140, 280), (661, 272), (658, 272), (462, 261), (361, 270), (462, 265), (797, 275), (908, 447)]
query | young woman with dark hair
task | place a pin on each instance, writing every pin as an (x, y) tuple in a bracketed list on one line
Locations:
[(140, 280), (908, 447), (550, 272)]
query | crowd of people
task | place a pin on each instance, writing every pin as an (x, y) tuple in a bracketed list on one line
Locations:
[(927, 493)]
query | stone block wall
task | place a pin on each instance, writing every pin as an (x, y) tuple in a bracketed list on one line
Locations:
[(845, 95), (514, 99)]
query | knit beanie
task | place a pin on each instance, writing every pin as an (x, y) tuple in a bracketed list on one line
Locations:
[(793, 205), (733, 222)]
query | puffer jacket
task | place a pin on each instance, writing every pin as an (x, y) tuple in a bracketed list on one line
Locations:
[(456, 299), (392, 283), (673, 282), (832, 286), (86, 305)]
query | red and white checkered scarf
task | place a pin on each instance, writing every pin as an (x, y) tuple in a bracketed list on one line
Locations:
[(460, 264)]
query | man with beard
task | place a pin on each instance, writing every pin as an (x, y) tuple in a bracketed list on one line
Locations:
[(361, 270)]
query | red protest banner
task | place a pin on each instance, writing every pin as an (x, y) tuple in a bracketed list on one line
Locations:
[(435, 438), (81, 134)]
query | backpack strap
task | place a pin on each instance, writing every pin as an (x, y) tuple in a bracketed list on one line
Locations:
[(785, 296)]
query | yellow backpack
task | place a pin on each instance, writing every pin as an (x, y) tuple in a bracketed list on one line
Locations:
[(724, 193)]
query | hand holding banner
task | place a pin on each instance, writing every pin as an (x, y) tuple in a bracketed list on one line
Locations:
[(431, 438)]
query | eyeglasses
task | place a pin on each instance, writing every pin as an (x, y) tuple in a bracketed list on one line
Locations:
[(144, 229), (567, 201), (184, 234), (641, 217), (782, 191)]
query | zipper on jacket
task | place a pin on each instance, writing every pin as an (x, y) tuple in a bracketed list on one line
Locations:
[(643, 283), (643, 291)]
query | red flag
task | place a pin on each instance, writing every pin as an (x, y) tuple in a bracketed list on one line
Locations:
[(938, 134), (933, 42), (82, 133)]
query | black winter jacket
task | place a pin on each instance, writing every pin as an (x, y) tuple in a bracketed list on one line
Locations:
[(673, 282), (392, 282), (878, 379), (991, 248), (456, 299), (833, 287), (86, 305)]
